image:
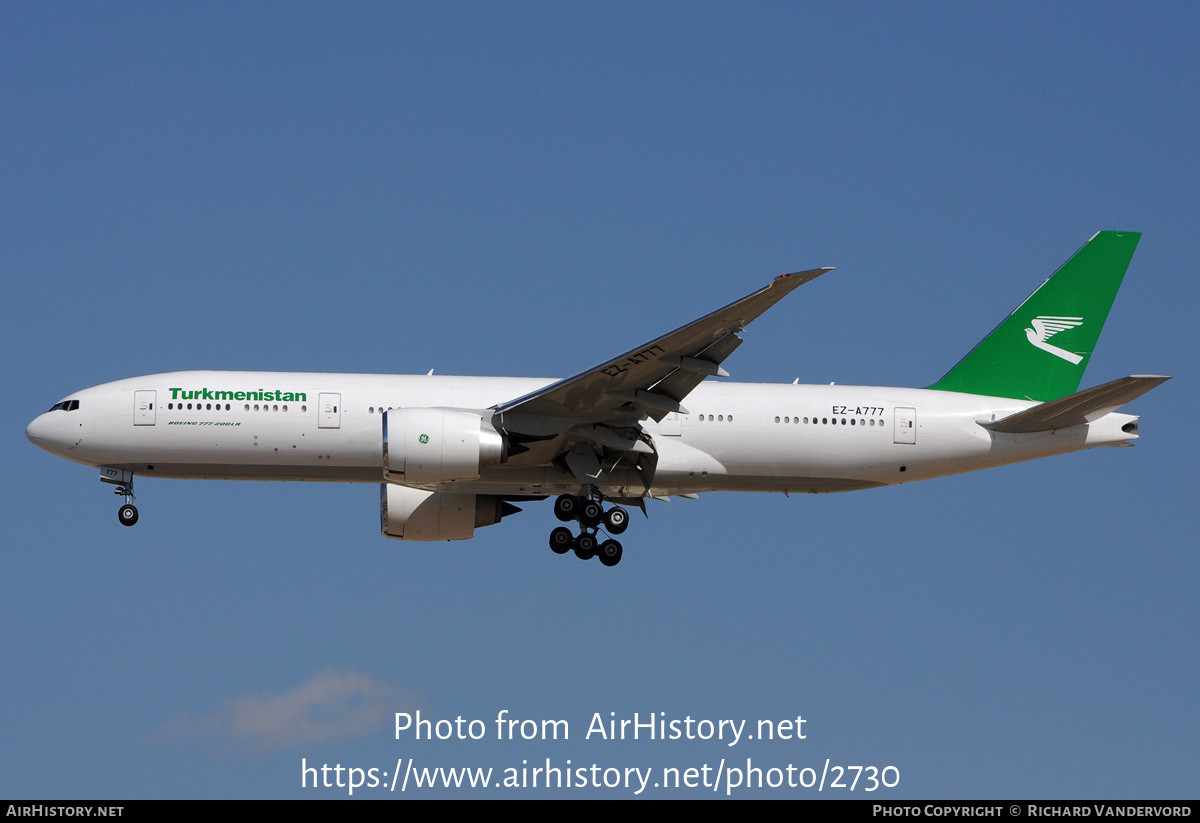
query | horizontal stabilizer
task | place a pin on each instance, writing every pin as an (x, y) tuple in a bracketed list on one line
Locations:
[(1079, 408)]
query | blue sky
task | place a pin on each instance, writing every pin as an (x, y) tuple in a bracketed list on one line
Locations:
[(525, 190)]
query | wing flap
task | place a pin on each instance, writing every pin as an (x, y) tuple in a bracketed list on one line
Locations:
[(679, 383)]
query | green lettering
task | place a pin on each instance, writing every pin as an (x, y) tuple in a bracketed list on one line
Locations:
[(206, 393)]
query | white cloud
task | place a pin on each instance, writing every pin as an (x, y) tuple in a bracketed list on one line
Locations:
[(331, 704)]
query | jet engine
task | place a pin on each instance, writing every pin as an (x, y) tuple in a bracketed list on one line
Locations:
[(415, 514), (428, 446)]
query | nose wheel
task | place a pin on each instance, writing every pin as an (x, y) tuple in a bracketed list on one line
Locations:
[(127, 514), (591, 516)]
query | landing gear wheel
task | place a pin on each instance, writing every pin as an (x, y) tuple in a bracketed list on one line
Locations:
[(591, 512), (566, 507), (616, 520), (127, 514), (610, 552), (561, 540), (585, 546)]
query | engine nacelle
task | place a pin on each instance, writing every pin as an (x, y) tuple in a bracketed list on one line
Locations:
[(415, 514), (428, 446)]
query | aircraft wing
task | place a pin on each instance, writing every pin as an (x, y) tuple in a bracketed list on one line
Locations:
[(649, 380)]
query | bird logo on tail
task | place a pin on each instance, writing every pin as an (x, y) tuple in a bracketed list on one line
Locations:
[(1045, 327)]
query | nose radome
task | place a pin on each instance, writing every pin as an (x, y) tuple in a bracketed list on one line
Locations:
[(36, 431)]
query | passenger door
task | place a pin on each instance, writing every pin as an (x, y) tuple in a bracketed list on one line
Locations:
[(143, 408)]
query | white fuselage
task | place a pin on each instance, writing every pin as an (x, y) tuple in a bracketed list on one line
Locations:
[(734, 436)]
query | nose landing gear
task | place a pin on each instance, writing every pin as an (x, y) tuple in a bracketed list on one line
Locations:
[(123, 480), (590, 514)]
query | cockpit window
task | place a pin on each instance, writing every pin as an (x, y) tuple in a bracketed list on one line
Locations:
[(65, 405)]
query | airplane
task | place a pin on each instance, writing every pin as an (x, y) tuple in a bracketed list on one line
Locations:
[(453, 454)]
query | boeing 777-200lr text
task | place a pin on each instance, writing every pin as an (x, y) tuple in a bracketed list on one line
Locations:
[(452, 454)]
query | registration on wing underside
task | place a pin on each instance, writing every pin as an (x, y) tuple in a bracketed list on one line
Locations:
[(635, 359)]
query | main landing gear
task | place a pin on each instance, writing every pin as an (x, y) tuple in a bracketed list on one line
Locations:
[(591, 516)]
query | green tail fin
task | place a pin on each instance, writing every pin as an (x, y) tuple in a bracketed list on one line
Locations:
[(1040, 350)]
